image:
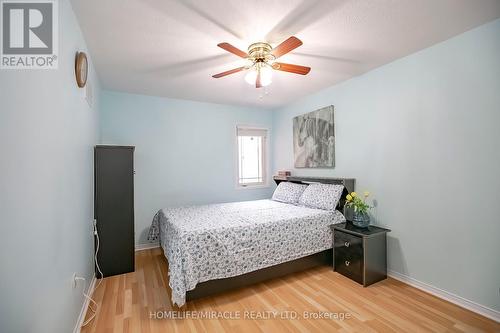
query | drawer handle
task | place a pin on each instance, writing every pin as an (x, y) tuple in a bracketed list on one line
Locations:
[(347, 244), (347, 263)]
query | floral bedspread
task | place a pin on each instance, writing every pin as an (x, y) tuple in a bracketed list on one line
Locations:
[(217, 241)]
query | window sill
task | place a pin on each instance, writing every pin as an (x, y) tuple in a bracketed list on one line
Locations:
[(250, 187)]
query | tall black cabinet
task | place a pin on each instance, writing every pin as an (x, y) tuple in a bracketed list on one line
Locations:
[(114, 208)]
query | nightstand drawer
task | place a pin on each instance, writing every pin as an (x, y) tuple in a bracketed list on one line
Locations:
[(348, 242), (349, 264)]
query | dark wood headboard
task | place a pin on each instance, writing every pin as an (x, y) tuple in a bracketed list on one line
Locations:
[(349, 183)]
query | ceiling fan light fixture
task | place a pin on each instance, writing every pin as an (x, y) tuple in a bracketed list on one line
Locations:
[(251, 76), (266, 74)]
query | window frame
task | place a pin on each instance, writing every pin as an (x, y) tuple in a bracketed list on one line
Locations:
[(265, 158)]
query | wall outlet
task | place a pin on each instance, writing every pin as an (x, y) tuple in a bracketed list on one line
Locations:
[(75, 279)]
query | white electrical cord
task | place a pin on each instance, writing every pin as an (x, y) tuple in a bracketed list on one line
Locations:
[(91, 301)]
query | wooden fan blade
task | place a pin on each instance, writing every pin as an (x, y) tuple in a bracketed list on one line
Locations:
[(229, 48), (257, 81), (287, 46), (302, 70), (232, 71)]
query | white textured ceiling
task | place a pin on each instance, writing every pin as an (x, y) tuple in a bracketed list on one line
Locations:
[(169, 48)]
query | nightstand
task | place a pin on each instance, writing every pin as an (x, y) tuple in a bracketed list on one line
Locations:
[(360, 253)]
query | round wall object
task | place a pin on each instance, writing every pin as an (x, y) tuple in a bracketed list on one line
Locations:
[(81, 69)]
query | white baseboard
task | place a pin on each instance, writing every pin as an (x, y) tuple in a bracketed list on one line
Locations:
[(146, 246), (452, 298), (85, 306)]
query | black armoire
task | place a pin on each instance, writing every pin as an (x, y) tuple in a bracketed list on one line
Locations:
[(114, 208)]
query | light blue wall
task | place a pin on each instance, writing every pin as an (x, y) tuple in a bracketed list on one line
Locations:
[(185, 151), (422, 133), (47, 132)]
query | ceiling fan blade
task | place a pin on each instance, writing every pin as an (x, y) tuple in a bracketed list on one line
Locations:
[(287, 46), (257, 81), (231, 71), (302, 70), (229, 48)]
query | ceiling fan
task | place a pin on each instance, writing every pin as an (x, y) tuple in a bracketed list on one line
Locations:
[(262, 58)]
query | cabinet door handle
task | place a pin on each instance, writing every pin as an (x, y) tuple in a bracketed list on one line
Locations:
[(347, 263), (347, 244)]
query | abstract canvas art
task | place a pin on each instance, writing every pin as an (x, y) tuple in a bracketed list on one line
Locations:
[(314, 139)]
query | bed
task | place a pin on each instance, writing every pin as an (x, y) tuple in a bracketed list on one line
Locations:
[(217, 247)]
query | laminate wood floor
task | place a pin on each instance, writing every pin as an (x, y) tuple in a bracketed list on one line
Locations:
[(138, 302)]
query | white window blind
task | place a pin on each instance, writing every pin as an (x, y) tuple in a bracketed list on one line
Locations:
[(251, 156)]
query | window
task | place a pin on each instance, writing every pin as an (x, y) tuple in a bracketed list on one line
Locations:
[(251, 156)]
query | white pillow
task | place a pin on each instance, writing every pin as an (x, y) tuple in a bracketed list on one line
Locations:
[(288, 192), (322, 196)]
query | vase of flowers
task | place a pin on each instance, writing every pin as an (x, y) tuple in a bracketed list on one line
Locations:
[(356, 209)]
